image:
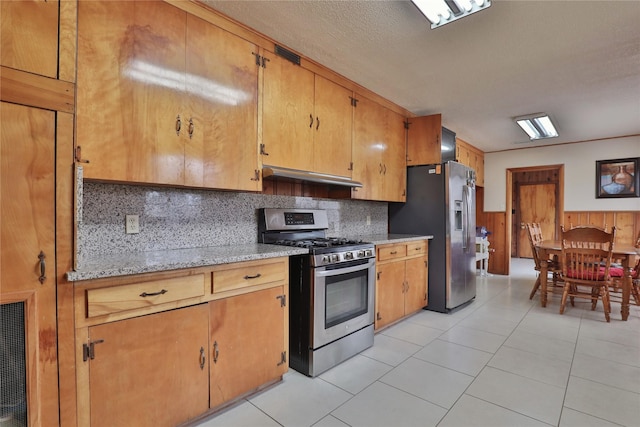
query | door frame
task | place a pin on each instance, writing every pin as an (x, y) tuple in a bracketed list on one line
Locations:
[(509, 202)]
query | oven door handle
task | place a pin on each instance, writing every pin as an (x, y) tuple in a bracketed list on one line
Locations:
[(326, 273)]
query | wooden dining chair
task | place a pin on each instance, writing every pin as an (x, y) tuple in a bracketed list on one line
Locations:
[(617, 276), (586, 261), (553, 266)]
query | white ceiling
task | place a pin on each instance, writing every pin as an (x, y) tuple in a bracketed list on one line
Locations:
[(576, 60)]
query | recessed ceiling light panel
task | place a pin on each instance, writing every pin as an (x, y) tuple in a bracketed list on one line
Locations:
[(440, 12), (537, 126)]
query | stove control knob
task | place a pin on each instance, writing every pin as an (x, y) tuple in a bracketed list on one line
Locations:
[(325, 259), (335, 258), (360, 254), (368, 252), (348, 255)]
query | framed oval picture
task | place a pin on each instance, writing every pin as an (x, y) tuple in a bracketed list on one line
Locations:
[(617, 178)]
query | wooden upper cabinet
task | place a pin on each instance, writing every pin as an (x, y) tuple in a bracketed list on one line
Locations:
[(423, 140), (222, 94), (307, 120), (287, 114), (379, 152), (130, 86), (164, 97), (29, 36), (470, 156), (333, 128)]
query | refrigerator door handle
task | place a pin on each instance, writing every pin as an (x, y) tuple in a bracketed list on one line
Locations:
[(466, 232)]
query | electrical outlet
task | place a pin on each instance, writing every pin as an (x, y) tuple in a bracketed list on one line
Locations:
[(132, 226), (368, 219)]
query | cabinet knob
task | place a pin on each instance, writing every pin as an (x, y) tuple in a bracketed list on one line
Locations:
[(178, 125), (192, 127)]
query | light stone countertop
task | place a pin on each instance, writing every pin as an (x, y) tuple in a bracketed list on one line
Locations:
[(154, 261), (381, 239)]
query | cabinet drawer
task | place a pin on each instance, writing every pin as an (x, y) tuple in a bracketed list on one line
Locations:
[(416, 248), (243, 275), (392, 252), (102, 301)]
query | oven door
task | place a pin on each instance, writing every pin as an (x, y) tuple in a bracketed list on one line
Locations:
[(343, 300)]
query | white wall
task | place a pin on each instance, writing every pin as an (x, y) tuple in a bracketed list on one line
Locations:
[(579, 172)]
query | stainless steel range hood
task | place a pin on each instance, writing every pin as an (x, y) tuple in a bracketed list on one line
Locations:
[(278, 172)]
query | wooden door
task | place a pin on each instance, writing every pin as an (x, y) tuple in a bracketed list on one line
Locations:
[(536, 203), (247, 342), (287, 114), (389, 293), (395, 159), (333, 128), (29, 36), (148, 370), (222, 93), (27, 229), (130, 88), (423, 140), (416, 278), (368, 144)]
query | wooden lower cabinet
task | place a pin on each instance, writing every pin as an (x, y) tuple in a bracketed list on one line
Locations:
[(151, 370), (401, 281), (247, 343)]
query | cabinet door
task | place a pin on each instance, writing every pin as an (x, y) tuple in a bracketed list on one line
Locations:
[(247, 342), (222, 95), (29, 36), (395, 155), (368, 145), (333, 128), (148, 371), (27, 229), (416, 279), (287, 114), (423, 140), (389, 293), (130, 87)]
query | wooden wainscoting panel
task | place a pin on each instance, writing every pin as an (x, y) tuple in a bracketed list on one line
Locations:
[(627, 223)]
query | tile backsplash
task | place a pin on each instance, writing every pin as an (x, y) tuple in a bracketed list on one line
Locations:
[(172, 218)]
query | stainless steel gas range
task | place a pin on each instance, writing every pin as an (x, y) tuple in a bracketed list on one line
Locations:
[(331, 289)]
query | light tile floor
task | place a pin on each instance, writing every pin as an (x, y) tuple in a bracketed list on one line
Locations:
[(501, 361)]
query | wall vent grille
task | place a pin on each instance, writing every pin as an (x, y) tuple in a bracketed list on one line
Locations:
[(287, 54)]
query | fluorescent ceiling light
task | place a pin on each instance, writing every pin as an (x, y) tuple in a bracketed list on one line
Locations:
[(440, 12), (537, 126)]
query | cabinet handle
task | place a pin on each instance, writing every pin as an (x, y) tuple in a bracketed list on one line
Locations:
[(378, 317), (263, 150), (252, 277), (256, 176), (215, 352), (43, 267), (393, 252), (178, 125), (153, 294), (203, 360), (385, 170), (317, 122), (311, 121), (192, 127)]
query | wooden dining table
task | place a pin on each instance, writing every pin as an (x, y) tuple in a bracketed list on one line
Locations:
[(626, 254)]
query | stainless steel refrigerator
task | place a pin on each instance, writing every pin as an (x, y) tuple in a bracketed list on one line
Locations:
[(441, 201)]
